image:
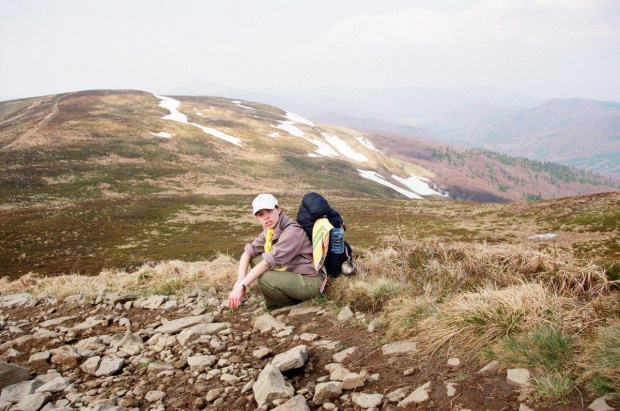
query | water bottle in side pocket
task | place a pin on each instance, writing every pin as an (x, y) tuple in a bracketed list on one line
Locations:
[(336, 241)]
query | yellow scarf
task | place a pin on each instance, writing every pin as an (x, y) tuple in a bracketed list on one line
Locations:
[(269, 246), (268, 237), (320, 241)]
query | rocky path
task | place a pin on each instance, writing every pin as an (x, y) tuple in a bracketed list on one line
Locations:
[(191, 352)]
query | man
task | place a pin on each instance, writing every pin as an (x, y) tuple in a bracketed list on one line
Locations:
[(280, 257)]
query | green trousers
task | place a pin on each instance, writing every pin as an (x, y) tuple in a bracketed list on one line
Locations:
[(281, 288)]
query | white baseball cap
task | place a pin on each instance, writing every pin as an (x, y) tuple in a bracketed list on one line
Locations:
[(264, 202)]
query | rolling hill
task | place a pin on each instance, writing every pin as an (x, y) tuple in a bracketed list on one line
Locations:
[(99, 143), (96, 144), (114, 178)]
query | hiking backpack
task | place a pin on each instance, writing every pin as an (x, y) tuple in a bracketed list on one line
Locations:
[(314, 206)]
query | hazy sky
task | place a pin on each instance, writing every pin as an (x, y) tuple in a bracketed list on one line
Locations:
[(549, 48)]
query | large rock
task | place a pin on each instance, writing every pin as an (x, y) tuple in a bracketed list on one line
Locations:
[(195, 332), (175, 326), (91, 365), (65, 355), (271, 386), (201, 362), (326, 391), (400, 347), (296, 357), (297, 403), (17, 392), (58, 384), (109, 366), (12, 300), (12, 374), (32, 402), (267, 322)]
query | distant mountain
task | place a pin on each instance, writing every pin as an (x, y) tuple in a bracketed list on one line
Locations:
[(96, 144), (482, 175), (410, 106), (371, 125), (577, 132)]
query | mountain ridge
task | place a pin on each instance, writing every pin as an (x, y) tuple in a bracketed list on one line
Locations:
[(476, 117), (128, 126)]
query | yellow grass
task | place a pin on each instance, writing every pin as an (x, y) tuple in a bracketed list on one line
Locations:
[(165, 277), (474, 320)]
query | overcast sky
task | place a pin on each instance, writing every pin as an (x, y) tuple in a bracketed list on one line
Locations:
[(547, 48)]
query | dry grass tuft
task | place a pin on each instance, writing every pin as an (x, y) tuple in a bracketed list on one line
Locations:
[(474, 320), (601, 360), (166, 277), (380, 279)]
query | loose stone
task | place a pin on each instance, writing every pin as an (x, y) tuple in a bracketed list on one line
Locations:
[(297, 403), (326, 391), (400, 347), (344, 354), (421, 394), (296, 357), (367, 400), (519, 377), (345, 314), (270, 386)]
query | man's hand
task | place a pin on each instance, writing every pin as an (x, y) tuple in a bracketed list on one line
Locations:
[(236, 294)]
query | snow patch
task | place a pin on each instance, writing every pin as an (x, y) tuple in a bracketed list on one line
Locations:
[(175, 115), (238, 104), (172, 105), (218, 134), (366, 143), (323, 148), (546, 236), (378, 178), (298, 119), (344, 148), (274, 134), (418, 185), (289, 128), (313, 155), (162, 134)]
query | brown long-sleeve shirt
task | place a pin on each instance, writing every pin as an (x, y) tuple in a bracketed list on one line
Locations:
[(291, 248)]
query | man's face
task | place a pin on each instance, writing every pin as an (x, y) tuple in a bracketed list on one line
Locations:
[(268, 218)]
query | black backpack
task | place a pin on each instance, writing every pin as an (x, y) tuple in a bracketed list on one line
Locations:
[(314, 206)]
